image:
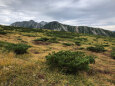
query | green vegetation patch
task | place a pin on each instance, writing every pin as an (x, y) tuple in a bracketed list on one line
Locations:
[(96, 48), (62, 34), (45, 39), (70, 62), (81, 48), (113, 53), (81, 39), (17, 48), (30, 35), (78, 43), (67, 44), (2, 32)]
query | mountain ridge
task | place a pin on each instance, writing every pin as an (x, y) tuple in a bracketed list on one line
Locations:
[(55, 25), (29, 24)]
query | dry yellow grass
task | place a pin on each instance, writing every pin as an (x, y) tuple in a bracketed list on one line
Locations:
[(31, 69)]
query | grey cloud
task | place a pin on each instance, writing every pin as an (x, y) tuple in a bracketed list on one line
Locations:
[(77, 12)]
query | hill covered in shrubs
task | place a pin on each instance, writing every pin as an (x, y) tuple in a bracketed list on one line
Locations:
[(42, 57)]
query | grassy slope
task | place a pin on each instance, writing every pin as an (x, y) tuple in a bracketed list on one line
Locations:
[(31, 69)]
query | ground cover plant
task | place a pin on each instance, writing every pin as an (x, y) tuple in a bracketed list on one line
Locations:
[(113, 53), (62, 34), (67, 44), (81, 39), (45, 39), (70, 62), (96, 48), (2, 32), (78, 43), (17, 48)]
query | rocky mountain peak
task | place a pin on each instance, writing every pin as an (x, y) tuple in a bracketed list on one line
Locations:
[(43, 23), (31, 21)]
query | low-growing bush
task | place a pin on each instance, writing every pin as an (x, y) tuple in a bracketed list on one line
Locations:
[(17, 48), (30, 35), (106, 45), (113, 53), (18, 38), (113, 48), (96, 48), (20, 48), (67, 44), (53, 40), (3, 33), (82, 39), (70, 62), (45, 39), (78, 43), (62, 34), (4, 44), (42, 39), (81, 48)]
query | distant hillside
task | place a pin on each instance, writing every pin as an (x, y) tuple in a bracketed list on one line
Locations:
[(29, 24), (62, 27)]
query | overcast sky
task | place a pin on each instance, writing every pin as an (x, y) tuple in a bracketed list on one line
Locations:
[(97, 13)]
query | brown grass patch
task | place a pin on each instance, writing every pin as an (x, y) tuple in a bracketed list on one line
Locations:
[(34, 51)]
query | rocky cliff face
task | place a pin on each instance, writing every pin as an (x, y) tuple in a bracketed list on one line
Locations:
[(62, 27), (29, 24), (80, 29)]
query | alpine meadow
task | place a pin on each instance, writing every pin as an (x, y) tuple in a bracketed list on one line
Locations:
[(57, 43)]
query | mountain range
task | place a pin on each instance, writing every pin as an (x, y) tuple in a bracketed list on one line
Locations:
[(55, 25), (29, 24)]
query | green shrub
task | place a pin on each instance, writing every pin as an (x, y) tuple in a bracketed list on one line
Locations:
[(4, 44), (62, 34), (81, 48), (78, 43), (18, 38), (105, 40), (106, 45), (3, 33), (67, 44), (44, 39), (30, 35), (17, 48), (113, 53), (20, 48), (113, 49), (53, 40), (70, 62), (97, 48), (82, 39), (89, 43)]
